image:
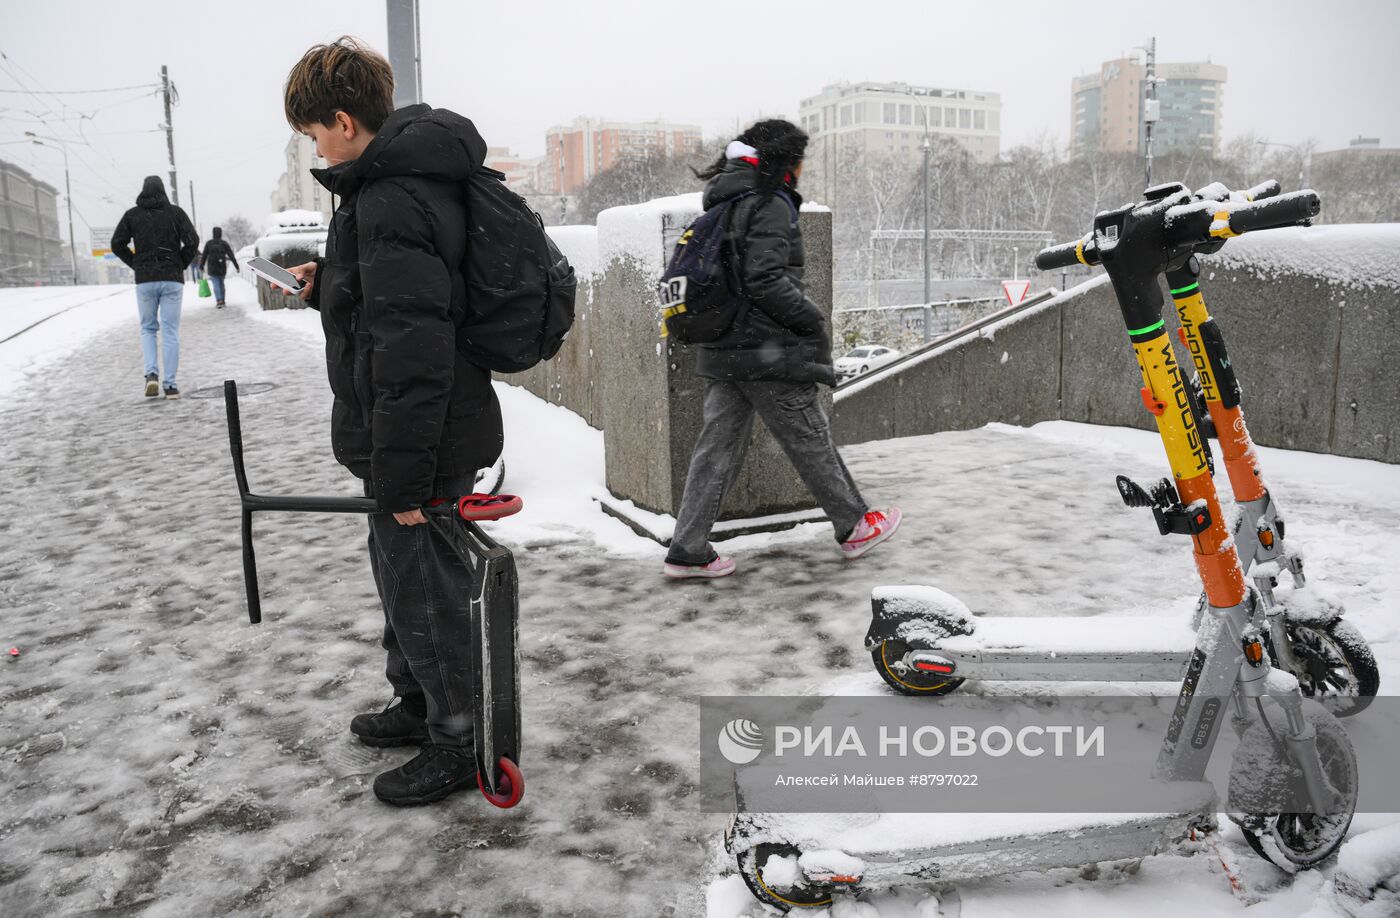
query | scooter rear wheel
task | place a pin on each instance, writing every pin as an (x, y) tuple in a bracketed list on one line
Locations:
[(907, 681), (1340, 670), (784, 898), (510, 787)]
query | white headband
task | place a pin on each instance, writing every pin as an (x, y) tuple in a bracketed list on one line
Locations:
[(737, 149)]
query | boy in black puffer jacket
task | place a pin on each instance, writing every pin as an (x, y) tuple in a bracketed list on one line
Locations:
[(769, 362), (411, 416)]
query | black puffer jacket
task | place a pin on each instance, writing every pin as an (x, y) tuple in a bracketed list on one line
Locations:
[(779, 333), (165, 239), (408, 407), (217, 254)]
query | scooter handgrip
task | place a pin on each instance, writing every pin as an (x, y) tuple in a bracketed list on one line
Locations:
[(1285, 210), (1079, 252), (1263, 190)]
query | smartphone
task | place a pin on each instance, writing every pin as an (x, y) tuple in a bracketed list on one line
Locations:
[(275, 274)]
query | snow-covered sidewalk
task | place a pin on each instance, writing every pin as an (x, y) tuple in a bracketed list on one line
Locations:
[(160, 756)]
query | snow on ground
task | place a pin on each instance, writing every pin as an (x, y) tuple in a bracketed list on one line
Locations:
[(41, 324), (160, 756)]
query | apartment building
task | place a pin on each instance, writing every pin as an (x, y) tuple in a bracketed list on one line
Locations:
[(31, 248), (576, 152), (1107, 108), (891, 119), (296, 188)]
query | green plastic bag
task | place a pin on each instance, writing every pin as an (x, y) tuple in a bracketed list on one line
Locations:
[(204, 287)]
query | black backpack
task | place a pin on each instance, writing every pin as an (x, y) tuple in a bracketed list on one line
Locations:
[(217, 255), (520, 287), (699, 293)]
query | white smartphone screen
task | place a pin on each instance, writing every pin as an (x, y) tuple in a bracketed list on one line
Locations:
[(275, 274)]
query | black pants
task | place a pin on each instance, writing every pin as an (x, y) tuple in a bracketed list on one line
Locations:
[(425, 590)]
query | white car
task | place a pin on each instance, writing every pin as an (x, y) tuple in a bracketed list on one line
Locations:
[(863, 359)]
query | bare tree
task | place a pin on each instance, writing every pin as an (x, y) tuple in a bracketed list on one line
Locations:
[(239, 231)]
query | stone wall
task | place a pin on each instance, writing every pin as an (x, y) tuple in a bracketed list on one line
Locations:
[(1309, 317)]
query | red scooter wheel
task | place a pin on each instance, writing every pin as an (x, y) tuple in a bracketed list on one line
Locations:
[(510, 788)]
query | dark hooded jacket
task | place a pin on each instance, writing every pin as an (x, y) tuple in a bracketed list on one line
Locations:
[(408, 408), (779, 334), (165, 239), (217, 254)]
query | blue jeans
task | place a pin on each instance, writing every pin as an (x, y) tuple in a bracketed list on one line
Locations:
[(217, 282), (159, 302)]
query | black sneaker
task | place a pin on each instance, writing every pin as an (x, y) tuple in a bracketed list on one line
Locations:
[(172, 392), (152, 385), (431, 775), (396, 725)]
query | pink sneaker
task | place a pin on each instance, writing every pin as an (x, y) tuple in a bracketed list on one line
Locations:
[(720, 567), (874, 528)]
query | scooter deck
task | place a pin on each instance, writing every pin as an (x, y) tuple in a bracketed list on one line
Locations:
[(917, 848), (495, 649), (1132, 648)]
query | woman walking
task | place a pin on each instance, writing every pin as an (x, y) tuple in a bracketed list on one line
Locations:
[(769, 363)]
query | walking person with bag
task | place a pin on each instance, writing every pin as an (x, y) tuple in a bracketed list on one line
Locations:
[(166, 244), (214, 262), (769, 361), (412, 417)]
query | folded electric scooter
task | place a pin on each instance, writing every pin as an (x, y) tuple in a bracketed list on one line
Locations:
[(492, 605), (1306, 633), (1228, 676)]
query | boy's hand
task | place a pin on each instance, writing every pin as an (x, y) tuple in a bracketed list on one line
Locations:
[(411, 518), (307, 275)]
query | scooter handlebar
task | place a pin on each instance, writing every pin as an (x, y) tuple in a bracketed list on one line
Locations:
[(1079, 252), (1206, 221)]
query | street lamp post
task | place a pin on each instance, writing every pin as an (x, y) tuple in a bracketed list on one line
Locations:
[(67, 192), (927, 151)]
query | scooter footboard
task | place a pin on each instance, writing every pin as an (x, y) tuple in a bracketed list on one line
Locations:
[(919, 616), (495, 646)]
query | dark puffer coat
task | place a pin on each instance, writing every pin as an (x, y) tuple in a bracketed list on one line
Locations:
[(779, 334), (165, 239), (217, 254), (408, 408)]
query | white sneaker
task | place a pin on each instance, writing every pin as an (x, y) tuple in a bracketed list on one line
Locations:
[(874, 528), (720, 567)]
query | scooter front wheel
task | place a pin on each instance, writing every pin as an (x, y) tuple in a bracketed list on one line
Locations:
[(769, 889), (1294, 840), (510, 786), (888, 658)]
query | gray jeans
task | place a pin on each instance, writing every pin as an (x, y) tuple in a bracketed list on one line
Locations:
[(425, 590), (794, 416)]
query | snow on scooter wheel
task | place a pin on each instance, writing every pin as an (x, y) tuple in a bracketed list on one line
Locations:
[(510, 786), (772, 875), (1340, 671), (888, 658), (1293, 840)]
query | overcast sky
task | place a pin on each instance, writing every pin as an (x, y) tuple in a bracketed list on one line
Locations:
[(1322, 70)]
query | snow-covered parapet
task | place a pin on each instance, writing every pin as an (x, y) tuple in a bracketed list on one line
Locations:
[(638, 232), (294, 220), (580, 245), (635, 232), (1359, 254)]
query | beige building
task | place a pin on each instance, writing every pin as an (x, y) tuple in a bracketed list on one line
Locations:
[(576, 152), (891, 118), (296, 188), (1107, 108)]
